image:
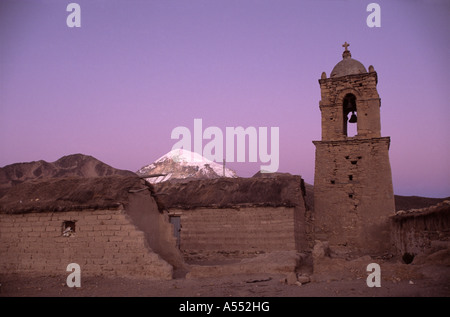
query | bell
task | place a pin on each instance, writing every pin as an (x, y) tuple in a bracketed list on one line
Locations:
[(353, 118)]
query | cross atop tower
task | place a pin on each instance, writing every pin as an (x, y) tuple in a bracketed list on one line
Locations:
[(346, 53), (345, 45)]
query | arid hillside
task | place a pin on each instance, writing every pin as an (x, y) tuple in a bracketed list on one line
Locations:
[(75, 165)]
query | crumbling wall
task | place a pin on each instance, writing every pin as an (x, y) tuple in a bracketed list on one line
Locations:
[(105, 242), (143, 210), (242, 228), (417, 231)]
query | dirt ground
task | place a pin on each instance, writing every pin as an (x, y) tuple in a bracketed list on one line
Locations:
[(397, 280), (231, 286)]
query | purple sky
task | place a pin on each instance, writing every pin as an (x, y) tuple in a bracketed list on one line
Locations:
[(116, 87)]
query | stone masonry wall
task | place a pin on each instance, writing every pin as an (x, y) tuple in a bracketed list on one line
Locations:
[(419, 230), (243, 229), (333, 90), (105, 242), (353, 193)]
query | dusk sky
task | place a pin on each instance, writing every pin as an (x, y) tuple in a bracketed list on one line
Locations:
[(117, 86)]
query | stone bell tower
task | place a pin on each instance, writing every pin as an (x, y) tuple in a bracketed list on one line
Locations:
[(353, 193)]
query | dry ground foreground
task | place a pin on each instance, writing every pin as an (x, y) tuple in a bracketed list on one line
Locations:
[(225, 276)]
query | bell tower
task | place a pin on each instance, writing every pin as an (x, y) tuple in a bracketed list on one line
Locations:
[(353, 192)]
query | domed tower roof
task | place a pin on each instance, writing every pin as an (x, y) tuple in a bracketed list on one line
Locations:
[(348, 65)]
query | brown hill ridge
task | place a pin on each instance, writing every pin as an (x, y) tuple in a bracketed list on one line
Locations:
[(75, 165)]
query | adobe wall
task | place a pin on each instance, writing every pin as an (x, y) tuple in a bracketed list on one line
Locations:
[(158, 231), (333, 90), (353, 194), (105, 243), (419, 230), (244, 229)]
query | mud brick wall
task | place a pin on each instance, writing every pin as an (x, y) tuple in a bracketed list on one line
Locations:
[(143, 212), (243, 229), (353, 193), (105, 242), (333, 90), (419, 230)]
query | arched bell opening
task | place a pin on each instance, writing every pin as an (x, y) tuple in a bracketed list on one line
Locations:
[(350, 115)]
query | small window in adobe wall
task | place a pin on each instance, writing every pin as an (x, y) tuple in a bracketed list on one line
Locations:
[(68, 228)]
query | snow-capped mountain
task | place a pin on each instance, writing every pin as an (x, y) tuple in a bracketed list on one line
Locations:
[(183, 164)]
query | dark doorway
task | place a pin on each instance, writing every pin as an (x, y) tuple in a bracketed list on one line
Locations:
[(176, 222)]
